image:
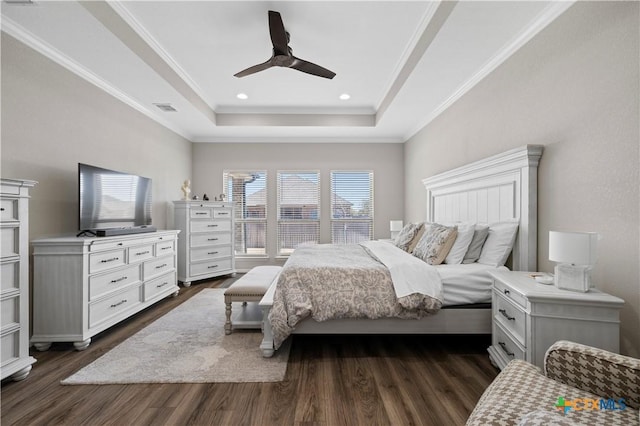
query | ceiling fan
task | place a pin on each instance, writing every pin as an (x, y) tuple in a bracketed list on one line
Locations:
[(283, 55)]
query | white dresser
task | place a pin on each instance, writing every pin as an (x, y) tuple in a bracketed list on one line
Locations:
[(14, 297), (84, 285), (528, 317), (205, 245)]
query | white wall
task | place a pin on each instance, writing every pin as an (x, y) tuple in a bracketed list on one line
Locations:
[(386, 160), (575, 89), (52, 120)]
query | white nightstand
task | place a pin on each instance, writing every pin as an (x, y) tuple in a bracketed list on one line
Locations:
[(528, 317)]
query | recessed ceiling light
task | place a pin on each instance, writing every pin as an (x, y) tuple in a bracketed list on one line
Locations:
[(242, 96), (345, 96)]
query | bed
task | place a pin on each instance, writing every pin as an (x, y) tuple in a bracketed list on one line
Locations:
[(501, 188)]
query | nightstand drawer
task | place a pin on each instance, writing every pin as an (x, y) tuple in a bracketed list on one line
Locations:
[(510, 293), (511, 317), (505, 345)]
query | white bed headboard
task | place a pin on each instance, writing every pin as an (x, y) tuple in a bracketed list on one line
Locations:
[(500, 188)]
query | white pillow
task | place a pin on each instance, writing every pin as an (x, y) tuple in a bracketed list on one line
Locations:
[(499, 243), (461, 245)]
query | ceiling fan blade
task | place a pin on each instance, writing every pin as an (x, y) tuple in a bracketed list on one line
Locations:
[(278, 34), (254, 69), (311, 68)]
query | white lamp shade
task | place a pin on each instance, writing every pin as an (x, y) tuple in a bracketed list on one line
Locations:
[(395, 225), (577, 248)]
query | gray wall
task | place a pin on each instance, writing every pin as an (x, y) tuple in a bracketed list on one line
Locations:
[(386, 160), (52, 120), (575, 89)]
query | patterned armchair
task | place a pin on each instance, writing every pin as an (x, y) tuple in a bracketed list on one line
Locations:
[(581, 385)]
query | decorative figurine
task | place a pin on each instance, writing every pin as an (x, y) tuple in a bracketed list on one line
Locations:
[(195, 197), (222, 197), (205, 198), (186, 189)]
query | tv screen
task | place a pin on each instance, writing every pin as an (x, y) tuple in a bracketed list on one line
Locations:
[(111, 199)]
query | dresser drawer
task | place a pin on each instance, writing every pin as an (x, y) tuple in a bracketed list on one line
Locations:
[(503, 342), (510, 293), (100, 285), (205, 253), (159, 285), (200, 213), (10, 311), (222, 213), (139, 253), (158, 266), (10, 275), (165, 247), (210, 239), (512, 317), (210, 226), (8, 209), (10, 347), (107, 308), (9, 241), (106, 260), (210, 267)]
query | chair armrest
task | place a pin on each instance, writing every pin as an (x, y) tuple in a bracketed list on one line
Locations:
[(594, 370)]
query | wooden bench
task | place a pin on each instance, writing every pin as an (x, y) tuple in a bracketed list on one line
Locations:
[(251, 287)]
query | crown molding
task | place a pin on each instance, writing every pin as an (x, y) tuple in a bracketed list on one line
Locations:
[(18, 32), (548, 15)]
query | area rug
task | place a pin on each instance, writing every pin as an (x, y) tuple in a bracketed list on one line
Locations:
[(187, 345)]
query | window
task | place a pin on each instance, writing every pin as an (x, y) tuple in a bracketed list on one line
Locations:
[(298, 209), (351, 206), (247, 191)]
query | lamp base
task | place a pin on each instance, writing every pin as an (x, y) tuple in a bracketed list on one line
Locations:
[(573, 277)]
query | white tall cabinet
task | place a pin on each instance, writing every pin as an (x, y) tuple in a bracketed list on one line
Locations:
[(14, 297), (205, 245), (84, 285)]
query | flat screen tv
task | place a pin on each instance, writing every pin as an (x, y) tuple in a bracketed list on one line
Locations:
[(112, 200)]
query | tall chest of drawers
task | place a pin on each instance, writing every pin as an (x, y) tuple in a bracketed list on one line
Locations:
[(528, 317), (82, 286), (14, 297), (205, 244)]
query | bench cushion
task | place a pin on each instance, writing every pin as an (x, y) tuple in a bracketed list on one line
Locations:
[(254, 282)]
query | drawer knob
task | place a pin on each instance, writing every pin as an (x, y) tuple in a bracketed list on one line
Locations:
[(162, 285), (506, 315), (1, 209), (140, 253), (161, 266), (212, 239), (118, 280), (212, 266), (213, 252), (504, 348), (212, 226), (109, 260)]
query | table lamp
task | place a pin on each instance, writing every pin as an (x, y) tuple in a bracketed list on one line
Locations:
[(395, 226), (575, 254)]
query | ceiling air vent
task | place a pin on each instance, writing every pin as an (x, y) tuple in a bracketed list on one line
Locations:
[(166, 107)]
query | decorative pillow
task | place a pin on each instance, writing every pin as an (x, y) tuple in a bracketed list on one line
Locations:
[(497, 248), (407, 234), (480, 234), (435, 243), (461, 245), (416, 239)]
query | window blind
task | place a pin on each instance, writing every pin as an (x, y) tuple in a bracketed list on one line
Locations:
[(298, 209), (351, 206), (247, 191)]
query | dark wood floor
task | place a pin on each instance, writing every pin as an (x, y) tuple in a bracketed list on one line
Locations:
[(330, 380)]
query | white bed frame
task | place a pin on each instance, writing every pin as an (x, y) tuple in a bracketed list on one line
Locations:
[(499, 188)]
